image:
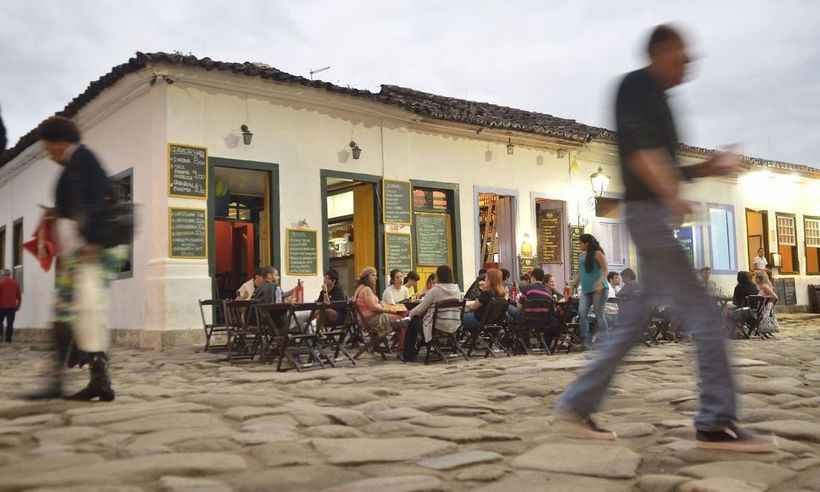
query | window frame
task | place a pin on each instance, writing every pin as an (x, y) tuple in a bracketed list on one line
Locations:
[(17, 268), (806, 245), (3, 247), (128, 173), (698, 243), (730, 210), (794, 246)]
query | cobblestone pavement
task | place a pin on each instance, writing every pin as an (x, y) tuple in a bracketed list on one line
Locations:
[(185, 421)]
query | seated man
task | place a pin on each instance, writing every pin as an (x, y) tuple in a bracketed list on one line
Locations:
[(476, 287), (246, 290), (266, 292), (421, 316)]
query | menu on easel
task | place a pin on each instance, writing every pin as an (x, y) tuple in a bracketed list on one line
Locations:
[(302, 252), (575, 247), (397, 202), (549, 236), (188, 171), (398, 252), (187, 233), (786, 291)]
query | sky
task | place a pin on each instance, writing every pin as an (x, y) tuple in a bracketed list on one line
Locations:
[(756, 81)]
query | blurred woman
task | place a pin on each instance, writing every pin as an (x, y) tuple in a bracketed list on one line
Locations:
[(594, 287)]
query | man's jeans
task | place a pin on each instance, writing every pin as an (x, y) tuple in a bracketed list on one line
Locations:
[(597, 303), (7, 320), (665, 277)]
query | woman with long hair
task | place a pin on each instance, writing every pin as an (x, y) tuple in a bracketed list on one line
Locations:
[(594, 287), (492, 288), (768, 321)]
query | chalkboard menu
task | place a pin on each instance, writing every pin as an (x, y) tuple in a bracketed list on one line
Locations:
[(302, 257), (432, 239), (397, 202), (786, 291), (188, 171), (549, 236), (186, 233), (575, 247), (398, 252)]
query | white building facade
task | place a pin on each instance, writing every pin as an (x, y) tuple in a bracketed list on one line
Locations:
[(299, 172)]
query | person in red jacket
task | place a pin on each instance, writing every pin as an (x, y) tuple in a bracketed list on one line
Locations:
[(10, 300)]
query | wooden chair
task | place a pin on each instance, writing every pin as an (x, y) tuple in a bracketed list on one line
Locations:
[(280, 343), (490, 331), (243, 336), (215, 326), (760, 307), (371, 342), (447, 317), (539, 321), (333, 335)]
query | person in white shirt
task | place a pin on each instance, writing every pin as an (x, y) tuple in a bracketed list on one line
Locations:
[(246, 290), (396, 292), (614, 279), (759, 264)]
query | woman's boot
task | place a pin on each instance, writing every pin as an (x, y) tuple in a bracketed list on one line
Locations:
[(62, 344), (99, 386)]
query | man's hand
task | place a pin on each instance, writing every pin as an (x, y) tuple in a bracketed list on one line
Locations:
[(678, 208), (723, 164)]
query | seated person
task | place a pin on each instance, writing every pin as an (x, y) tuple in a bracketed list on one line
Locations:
[(505, 278), (411, 282), (475, 288), (549, 280), (429, 284), (421, 316), (630, 284), (246, 290), (614, 280), (493, 289), (396, 292), (537, 282), (708, 283), (332, 292), (744, 288), (768, 321), (267, 292), (377, 317), (524, 281)]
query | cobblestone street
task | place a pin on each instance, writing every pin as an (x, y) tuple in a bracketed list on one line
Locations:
[(186, 421)]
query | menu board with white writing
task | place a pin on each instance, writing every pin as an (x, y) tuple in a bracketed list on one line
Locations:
[(187, 233), (397, 202), (432, 239), (302, 253), (549, 236), (188, 171), (786, 291), (398, 252), (575, 247)]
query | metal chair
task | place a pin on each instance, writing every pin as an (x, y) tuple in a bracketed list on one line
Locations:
[(243, 337), (214, 326), (447, 317), (490, 331)]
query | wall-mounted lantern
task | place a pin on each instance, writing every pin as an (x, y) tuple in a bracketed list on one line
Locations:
[(247, 136), (355, 149)]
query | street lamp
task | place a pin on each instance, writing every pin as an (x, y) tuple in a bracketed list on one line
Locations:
[(247, 135), (600, 182)]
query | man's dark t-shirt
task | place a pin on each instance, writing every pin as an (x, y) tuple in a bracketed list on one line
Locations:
[(644, 121)]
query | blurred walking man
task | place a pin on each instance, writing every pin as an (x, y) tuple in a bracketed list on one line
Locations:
[(648, 146)]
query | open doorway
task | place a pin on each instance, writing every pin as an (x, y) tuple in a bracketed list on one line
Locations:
[(496, 230), (240, 208), (351, 221), (757, 234)]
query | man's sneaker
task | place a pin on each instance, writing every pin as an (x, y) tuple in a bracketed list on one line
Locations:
[(571, 424), (735, 439)]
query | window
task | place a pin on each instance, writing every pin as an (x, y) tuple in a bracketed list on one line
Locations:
[(430, 200), (3, 248), (811, 228), (17, 251), (613, 238), (124, 193), (690, 237), (722, 238), (787, 243)]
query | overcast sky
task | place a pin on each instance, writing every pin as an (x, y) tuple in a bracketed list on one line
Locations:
[(757, 81)]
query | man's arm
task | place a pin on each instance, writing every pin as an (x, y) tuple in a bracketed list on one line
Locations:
[(655, 169)]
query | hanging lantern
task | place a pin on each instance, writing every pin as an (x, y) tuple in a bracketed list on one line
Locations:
[(247, 136), (600, 182)]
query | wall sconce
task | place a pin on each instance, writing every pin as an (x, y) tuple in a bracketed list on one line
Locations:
[(560, 153), (355, 149), (510, 146), (247, 136), (600, 182)]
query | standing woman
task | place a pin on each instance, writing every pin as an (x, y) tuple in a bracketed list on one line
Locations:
[(594, 287), (84, 266)]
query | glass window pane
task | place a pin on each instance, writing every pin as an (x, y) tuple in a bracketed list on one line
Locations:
[(720, 224)]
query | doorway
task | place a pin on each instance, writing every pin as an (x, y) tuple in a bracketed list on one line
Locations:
[(496, 228), (757, 234), (352, 228), (244, 232), (551, 237)]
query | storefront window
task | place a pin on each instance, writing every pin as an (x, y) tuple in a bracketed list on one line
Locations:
[(17, 251), (430, 200), (811, 228), (722, 238), (124, 193), (787, 243)]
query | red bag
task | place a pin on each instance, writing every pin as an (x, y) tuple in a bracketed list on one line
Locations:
[(43, 246)]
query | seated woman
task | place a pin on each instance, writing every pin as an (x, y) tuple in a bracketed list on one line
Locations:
[(332, 292), (396, 292), (429, 284), (421, 316), (744, 288), (411, 283), (378, 318), (768, 321), (493, 288)]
